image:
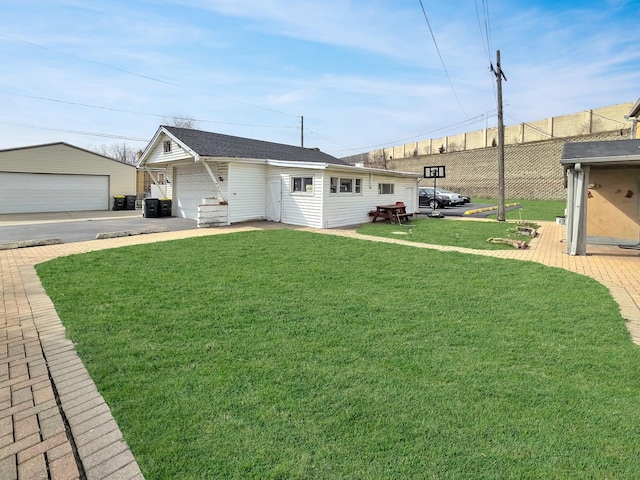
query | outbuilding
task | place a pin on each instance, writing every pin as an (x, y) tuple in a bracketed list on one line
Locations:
[(603, 194), (60, 177), (221, 180)]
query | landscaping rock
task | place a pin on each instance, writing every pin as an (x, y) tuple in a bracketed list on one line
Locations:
[(30, 243)]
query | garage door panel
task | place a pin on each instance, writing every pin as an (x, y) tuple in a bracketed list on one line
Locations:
[(192, 183), (35, 192)]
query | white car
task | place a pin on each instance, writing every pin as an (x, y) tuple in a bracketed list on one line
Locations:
[(455, 198), (445, 197)]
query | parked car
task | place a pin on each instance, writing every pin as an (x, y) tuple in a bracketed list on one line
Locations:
[(465, 198), (442, 198), (426, 199)]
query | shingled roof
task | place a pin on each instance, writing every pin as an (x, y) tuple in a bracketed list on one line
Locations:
[(209, 144), (602, 149)]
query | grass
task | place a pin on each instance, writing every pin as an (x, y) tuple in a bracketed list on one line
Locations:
[(530, 210), (287, 354), (459, 233)]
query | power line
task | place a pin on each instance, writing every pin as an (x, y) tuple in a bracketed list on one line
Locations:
[(530, 125), (483, 34), (147, 77), (98, 107), (441, 59), (487, 24), (469, 121), (78, 132)]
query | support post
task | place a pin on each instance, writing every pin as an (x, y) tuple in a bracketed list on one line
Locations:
[(499, 76), (155, 182), (213, 177)]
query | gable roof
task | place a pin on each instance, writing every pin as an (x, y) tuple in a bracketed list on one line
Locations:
[(598, 152), (209, 144), (635, 110), (64, 144)]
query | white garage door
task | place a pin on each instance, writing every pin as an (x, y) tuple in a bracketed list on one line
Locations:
[(41, 192), (191, 184)]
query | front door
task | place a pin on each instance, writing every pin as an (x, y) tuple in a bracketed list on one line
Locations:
[(410, 199), (274, 200)]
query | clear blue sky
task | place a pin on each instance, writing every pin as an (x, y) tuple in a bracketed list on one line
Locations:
[(364, 74)]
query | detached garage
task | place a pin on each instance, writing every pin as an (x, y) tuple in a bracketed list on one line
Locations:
[(61, 177)]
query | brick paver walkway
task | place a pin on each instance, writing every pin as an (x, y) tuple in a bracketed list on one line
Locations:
[(54, 424)]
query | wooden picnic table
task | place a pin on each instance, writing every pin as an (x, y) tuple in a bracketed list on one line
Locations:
[(393, 213)]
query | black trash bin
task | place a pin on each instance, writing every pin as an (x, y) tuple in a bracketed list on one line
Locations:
[(165, 207), (118, 202), (151, 208), (129, 202)]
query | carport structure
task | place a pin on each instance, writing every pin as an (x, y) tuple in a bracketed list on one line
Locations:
[(603, 194)]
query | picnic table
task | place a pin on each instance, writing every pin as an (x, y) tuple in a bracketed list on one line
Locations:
[(393, 213)]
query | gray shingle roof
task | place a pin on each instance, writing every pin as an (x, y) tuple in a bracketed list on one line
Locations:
[(209, 144), (611, 148)]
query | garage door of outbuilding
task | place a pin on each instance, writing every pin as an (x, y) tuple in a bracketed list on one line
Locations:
[(40, 192), (192, 183)]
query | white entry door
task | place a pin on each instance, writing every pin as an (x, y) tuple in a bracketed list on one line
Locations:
[(410, 199), (274, 200)]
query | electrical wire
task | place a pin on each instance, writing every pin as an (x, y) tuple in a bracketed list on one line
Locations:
[(199, 120), (483, 34), (469, 121), (147, 77), (78, 132), (441, 59)]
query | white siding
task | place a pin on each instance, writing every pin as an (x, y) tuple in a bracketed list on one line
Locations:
[(61, 158), (157, 155), (341, 209), (247, 192), (300, 208), (191, 184)]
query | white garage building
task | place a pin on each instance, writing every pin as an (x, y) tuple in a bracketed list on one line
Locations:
[(60, 177)]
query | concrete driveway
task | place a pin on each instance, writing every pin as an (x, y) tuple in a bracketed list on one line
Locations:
[(72, 227)]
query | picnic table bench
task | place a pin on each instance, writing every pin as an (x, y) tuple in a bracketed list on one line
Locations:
[(393, 213)]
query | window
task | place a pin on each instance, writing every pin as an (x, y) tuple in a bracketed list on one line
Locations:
[(167, 146), (385, 188), (345, 185), (302, 184)]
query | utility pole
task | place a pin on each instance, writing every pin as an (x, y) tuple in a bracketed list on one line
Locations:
[(302, 131), (499, 76)]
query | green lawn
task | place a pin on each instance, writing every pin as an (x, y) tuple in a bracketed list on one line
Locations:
[(438, 231), (287, 354), (530, 210)]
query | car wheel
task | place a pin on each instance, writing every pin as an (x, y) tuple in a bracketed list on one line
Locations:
[(434, 204)]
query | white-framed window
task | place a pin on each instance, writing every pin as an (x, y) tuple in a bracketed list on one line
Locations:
[(302, 185), (167, 146), (345, 185), (385, 189)]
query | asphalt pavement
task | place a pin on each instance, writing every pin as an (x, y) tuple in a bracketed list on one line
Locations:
[(70, 227)]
